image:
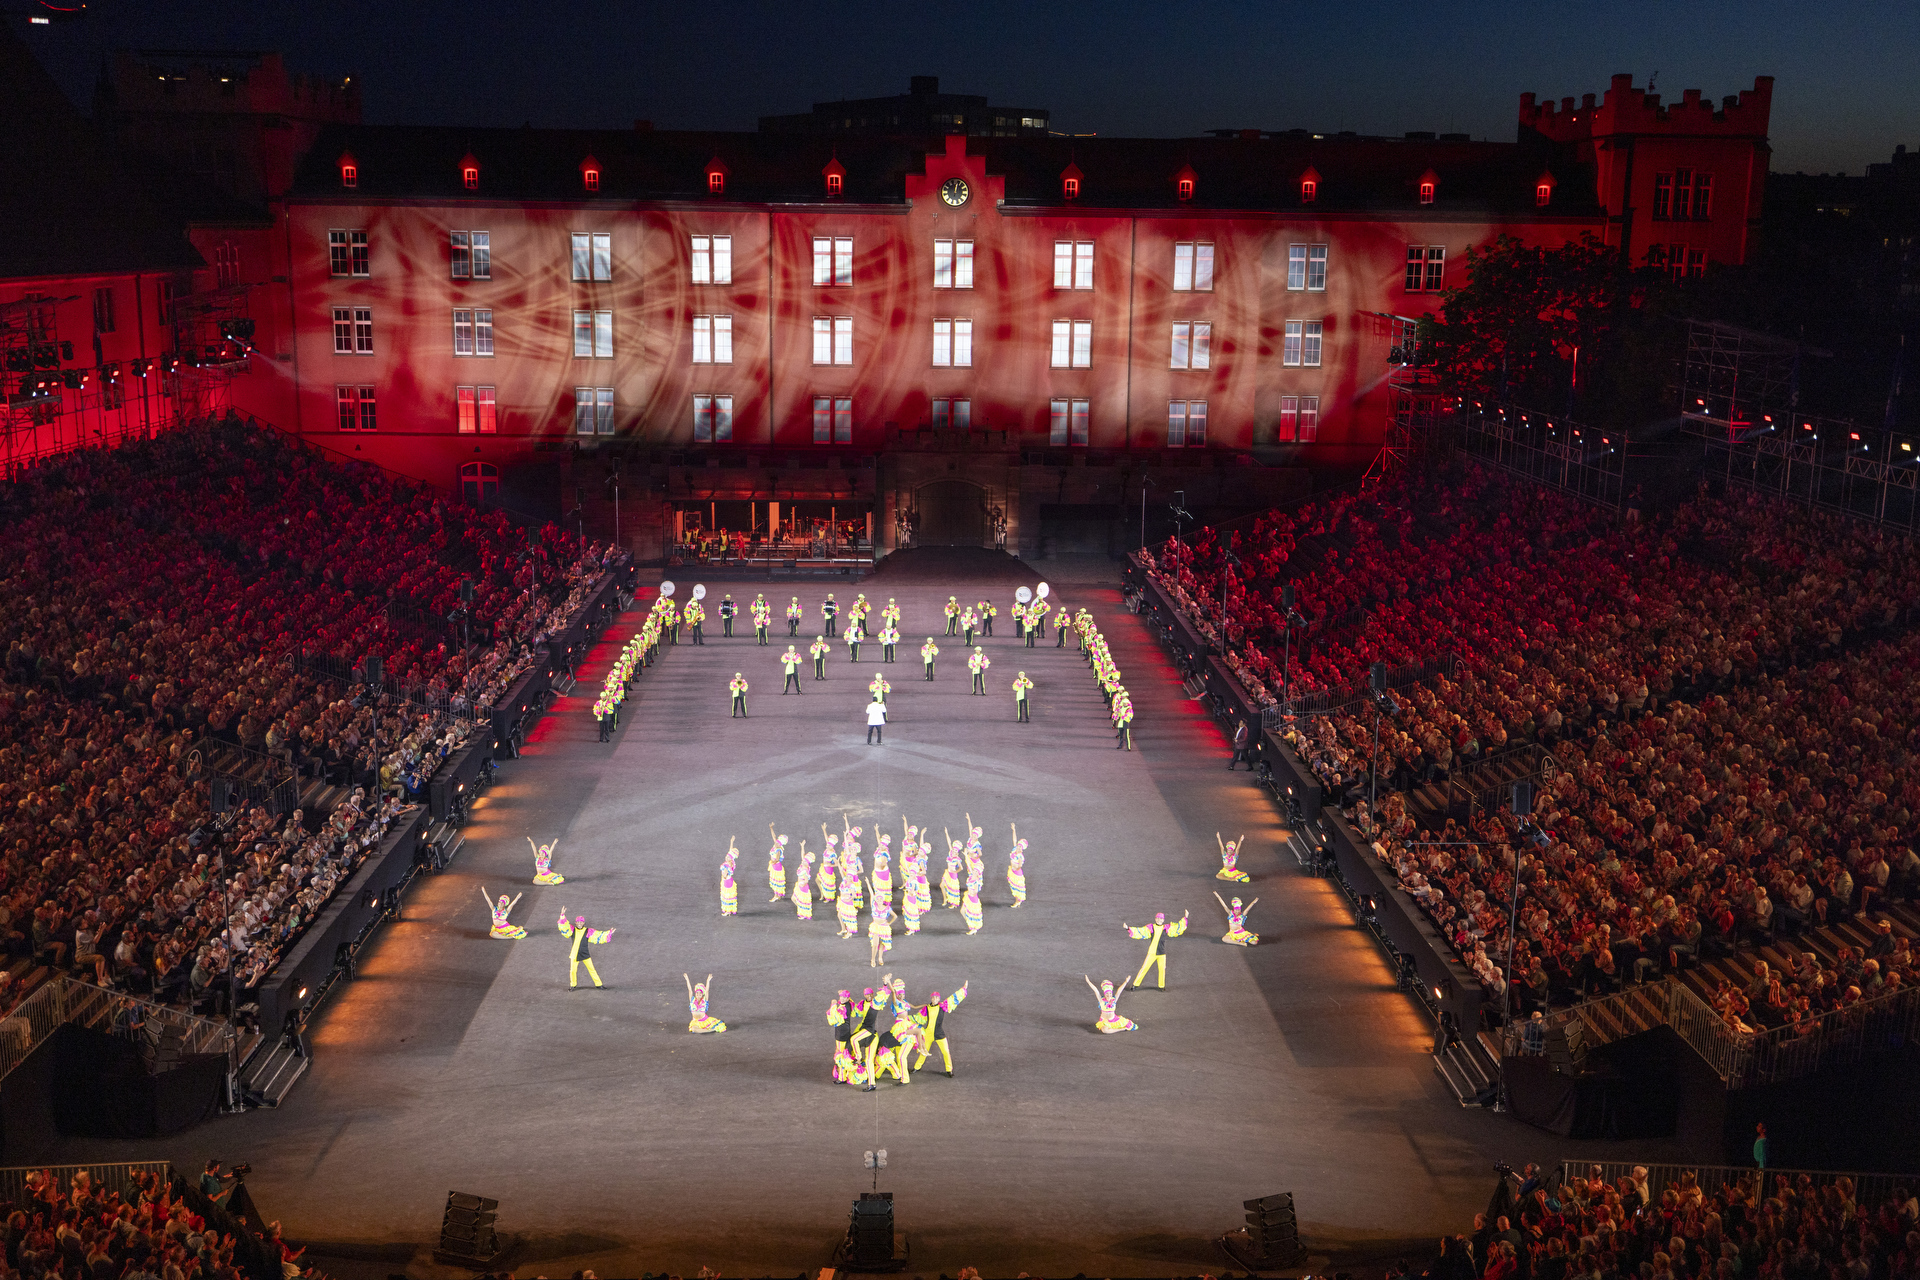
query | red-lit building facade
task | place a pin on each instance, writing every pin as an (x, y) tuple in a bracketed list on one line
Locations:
[(756, 324)]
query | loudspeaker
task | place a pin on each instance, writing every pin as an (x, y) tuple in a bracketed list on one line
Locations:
[(1286, 598), (439, 796), (372, 670), (1309, 797), (222, 794), (870, 1234), (1377, 678), (1272, 1233), (1522, 798), (466, 1232)]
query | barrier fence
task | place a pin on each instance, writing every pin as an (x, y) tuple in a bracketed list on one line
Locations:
[(1869, 1189), (102, 1177), (62, 1000)]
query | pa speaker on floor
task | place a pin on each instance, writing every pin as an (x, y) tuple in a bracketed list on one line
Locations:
[(1271, 1237), (467, 1237), (871, 1244)]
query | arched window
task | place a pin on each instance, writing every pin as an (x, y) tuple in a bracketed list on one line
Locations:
[(470, 176), (592, 178), (1426, 193), (833, 184), (1072, 186), (716, 182), (479, 483), (1186, 188), (1308, 190)]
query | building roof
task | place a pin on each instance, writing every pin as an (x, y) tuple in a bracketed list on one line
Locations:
[(73, 204), (1355, 174)]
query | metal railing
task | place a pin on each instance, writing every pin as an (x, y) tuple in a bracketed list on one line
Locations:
[(1467, 783), (1869, 1189), (1328, 701), (102, 1177), (62, 1000), (427, 698), (256, 777)]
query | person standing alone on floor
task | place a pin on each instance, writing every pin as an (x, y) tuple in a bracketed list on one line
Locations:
[(876, 721)]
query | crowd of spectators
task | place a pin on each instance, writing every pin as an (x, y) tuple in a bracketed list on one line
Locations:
[(162, 603), (1757, 1227), (151, 1229), (1725, 695)]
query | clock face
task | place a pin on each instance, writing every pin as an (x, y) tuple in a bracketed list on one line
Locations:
[(954, 192)]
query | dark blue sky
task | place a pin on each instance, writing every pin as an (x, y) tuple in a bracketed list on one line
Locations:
[(1845, 69)]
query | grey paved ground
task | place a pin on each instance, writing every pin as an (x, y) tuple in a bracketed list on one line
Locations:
[(614, 1139)]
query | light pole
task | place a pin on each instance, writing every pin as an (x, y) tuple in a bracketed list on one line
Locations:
[(1289, 620), (1144, 482), (1227, 562)]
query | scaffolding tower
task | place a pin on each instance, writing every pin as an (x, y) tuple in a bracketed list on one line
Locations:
[(1735, 378), (30, 375), (1418, 405)]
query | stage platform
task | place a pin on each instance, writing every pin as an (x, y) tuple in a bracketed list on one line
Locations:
[(615, 1140)]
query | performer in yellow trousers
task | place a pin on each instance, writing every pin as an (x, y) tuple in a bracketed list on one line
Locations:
[(581, 953), (1153, 934), (933, 1028)]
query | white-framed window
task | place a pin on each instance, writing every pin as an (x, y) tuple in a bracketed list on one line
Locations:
[(956, 414), (356, 408), (833, 339), (1073, 264), (593, 411), (1192, 266), (462, 332), (483, 331), (952, 344), (712, 419), (832, 260), (953, 264), (1426, 268), (353, 331), (475, 411), (1702, 196), (713, 339), (1307, 267), (471, 253), (1186, 424), (592, 255), (1192, 344), (832, 420), (1299, 419), (593, 333), (1067, 422), (347, 253), (1072, 344), (713, 259)]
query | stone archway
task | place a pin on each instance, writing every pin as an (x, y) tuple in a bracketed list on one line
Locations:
[(953, 513)]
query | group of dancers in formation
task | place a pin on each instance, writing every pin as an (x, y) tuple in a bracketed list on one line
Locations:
[(876, 1032), (844, 880)]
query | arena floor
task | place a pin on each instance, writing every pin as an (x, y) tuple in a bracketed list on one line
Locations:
[(614, 1139)]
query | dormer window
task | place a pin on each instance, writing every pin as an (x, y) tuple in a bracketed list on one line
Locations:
[(716, 182), (349, 172), (1543, 190), (1070, 181), (836, 175), (834, 184), (470, 172), (590, 174), (1308, 190), (1426, 193), (1183, 182), (1186, 188)]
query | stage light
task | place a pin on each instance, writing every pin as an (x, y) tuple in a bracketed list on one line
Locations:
[(237, 330), (302, 995)]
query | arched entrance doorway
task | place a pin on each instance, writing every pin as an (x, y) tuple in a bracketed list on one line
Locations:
[(952, 514)]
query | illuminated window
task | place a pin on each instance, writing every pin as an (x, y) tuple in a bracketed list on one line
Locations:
[(1072, 344), (1192, 344), (590, 178), (593, 411), (832, 260), (1070, 187), (349, 175), (1067, 422), (470, 176), (1301, 343), (952, 344), (834, 184), (712, 419), (347, 253), (593, 334), (1073, 264), (1186, 424), (353, 331), (1193, 266), (713, 259), (1426, 193), (466, 411), (953, 264), (1288, 429), (1299, 419), (1186, 188), (716, 182), (1308, 190), (956, 415), (592, 255), (833, 339), (832, 420), (1307, 267), (713, 339), (356, 408), (1543, 194), (1426, 268)]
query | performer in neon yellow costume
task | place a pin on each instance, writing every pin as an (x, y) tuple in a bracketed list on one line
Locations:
[(729, 889), (1017, 867), (503, 927), (950, 878), (581, 953), (1229, 857), (543, 872), (1110, 1019), (776, 866), (1152, 935), (843, 1015), (697, 994), (879, 931), (829, 877), (1237, 923), (933, 1027), (802, 895)]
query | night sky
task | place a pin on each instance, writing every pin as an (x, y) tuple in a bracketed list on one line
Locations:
[(1844, 97)]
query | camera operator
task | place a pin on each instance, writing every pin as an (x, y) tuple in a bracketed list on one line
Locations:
[(213, 1182)]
